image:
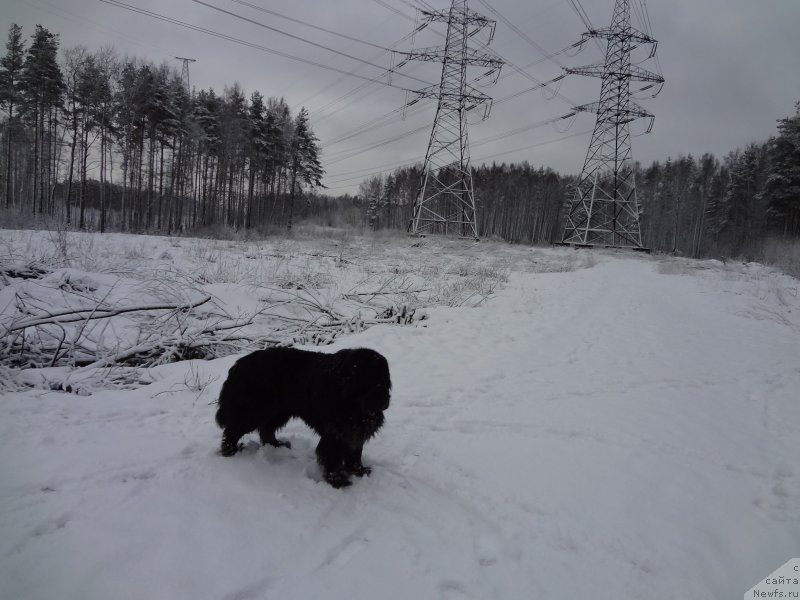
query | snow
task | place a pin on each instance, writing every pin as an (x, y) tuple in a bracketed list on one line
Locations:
[(604, 426)]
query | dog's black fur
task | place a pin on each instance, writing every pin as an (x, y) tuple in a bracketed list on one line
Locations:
[(341, 396)]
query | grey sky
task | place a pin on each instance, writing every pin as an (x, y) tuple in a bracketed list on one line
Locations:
[(732, 69)]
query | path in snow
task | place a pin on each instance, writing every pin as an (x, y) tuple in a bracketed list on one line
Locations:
[(615, 432)]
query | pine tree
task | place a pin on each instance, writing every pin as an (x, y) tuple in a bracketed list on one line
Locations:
[(782, 186), (305, 165), (701, 189), (42, 84), (387, 202), (108, 67), (124, 122), (74, 59), (234, 130), (93, 94), (206, 118), (11, 96), (742, 221), (258, 149)]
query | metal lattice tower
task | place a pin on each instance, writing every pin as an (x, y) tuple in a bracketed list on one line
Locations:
[(445, 201), (604, 210), (185, 72)]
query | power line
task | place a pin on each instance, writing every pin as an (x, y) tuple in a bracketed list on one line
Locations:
[(344, 155), (519, 32), (95, 26), (394, 166), (539, 85), (304, 40), (365, 127), (376, 123), (353, 91), (388, 6), (578, 7), (516, 69), (255, 46), (306, 23)]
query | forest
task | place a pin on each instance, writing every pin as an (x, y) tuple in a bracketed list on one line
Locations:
[(690, 206), (95, 141), (100, 142)]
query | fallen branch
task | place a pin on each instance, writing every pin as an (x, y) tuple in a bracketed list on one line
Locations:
[(87, 314), (389, 293)]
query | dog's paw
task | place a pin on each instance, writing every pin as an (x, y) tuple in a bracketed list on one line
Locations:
[(338, 480), (230, 449), (360, 471)]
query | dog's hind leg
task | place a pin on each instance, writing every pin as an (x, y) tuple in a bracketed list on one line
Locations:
[(230, 442), (267, 433)]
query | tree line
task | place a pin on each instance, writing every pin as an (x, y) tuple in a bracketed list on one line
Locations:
[(99, 141), (96, 140), (692, 206), (517, 203)]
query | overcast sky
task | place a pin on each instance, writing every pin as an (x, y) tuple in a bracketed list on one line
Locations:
[(732, 68)]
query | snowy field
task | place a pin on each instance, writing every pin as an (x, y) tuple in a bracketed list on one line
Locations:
[(564, 424)]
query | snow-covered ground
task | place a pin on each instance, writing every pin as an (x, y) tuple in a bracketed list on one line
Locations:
[(604, 426)]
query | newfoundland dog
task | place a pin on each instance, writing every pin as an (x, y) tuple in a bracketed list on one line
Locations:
[(341, 396)]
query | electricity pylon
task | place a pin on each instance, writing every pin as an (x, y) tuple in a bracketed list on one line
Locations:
[(445, 200), (185, 72), (604, 209)]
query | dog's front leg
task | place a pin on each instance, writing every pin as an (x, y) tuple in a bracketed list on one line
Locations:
[(353, 462), (332, 454)]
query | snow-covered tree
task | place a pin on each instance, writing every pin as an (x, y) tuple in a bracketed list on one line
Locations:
[(11, 96), (782, 185), (304, 154), (42, 86)]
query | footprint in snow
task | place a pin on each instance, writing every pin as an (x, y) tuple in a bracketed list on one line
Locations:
[(344, 553), (486, 551), (453, 590), (251, 591), (51, 525)]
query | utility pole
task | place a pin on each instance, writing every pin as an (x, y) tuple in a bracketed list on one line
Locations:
[(185, 72), (445, 201), (604, 210)]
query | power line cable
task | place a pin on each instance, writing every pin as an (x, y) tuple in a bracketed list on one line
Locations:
[(346, 154), (353, 91), (578, 7), (306, 24), (253, 45), (376, 123), (511, 64), (306, 41), (519, 32), (395, 166), (367, 127), (399, 13), (95, 26)]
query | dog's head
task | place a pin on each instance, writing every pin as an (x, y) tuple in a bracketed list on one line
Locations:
[(365, 379)]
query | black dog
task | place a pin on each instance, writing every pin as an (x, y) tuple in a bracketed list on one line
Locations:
[(341, 396)]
